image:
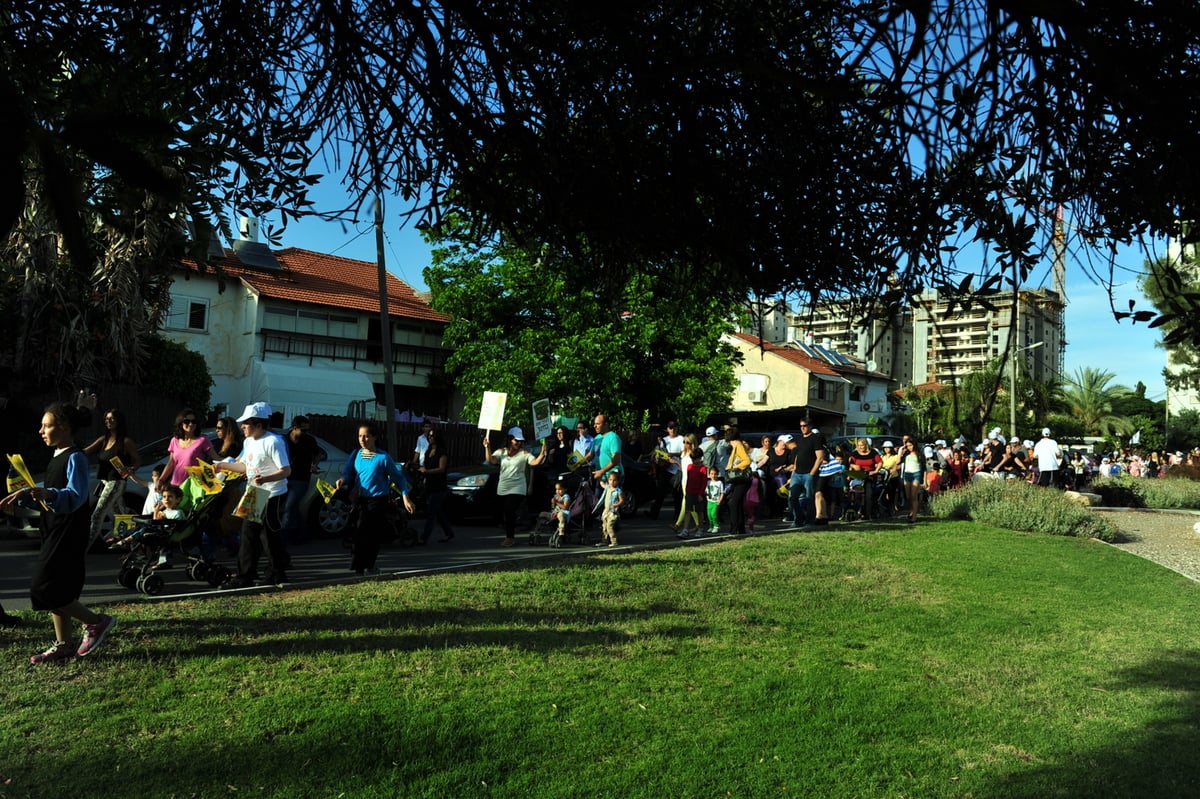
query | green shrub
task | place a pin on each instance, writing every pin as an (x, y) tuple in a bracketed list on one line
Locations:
[(1116, 492), (1141, 492), (1016, 505)]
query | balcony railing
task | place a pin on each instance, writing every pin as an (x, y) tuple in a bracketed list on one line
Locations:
[(307, 345)]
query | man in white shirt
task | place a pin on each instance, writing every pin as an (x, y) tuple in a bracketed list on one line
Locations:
[(264, 461), (1049, 458)]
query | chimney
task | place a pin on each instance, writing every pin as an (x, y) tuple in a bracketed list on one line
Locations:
[(248, 228)]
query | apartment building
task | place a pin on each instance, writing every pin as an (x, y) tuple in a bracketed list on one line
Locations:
[(927, 343), (948, 345)]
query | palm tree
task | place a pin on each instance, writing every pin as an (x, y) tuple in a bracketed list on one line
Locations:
[(1089, 398)]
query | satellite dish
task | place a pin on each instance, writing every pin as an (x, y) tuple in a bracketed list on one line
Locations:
[(871, 366)]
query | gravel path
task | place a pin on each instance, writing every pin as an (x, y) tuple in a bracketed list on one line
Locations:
[(1165, 537)]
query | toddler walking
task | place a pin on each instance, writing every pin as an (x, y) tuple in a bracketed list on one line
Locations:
[(612, 501), (715, 492)]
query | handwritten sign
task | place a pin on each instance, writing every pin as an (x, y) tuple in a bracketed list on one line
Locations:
[(491, 411)]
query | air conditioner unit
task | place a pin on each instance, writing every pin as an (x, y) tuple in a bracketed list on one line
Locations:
[(868, 407), (757, 397)]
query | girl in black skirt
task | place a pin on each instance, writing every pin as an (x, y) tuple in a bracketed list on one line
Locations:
[(59, 573)]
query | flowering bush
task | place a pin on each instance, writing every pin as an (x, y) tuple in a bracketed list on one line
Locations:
[(1016, 505)]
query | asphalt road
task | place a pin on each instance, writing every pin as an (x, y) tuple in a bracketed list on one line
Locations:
[(321, 562)]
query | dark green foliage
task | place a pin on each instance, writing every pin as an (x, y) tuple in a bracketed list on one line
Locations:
[(1116, 493), (1183, 431), (520, 325), (178, 373), (848, 148)]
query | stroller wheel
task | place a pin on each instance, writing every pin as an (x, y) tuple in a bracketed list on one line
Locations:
[(127, 577), (217, 575), (150, 584), (198, 571)]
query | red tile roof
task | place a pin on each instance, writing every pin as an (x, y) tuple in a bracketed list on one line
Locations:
[(790, 354), (314, 278)]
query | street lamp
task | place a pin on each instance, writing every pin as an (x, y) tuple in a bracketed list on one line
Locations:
[(1012, 388)]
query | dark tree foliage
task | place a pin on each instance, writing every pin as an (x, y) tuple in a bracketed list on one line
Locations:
[(820, 148)]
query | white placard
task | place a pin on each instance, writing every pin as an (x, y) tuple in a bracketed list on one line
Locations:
[(543, 424), (491, 411)]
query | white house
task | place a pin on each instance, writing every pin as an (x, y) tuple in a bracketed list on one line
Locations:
[(301, 330)]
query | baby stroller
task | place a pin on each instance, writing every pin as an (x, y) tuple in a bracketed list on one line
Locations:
[(855, 507), (575, 531), (154, 542)]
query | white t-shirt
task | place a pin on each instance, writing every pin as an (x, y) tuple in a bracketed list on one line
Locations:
[(266, 454), (674, 447), (1048, 455), (512, 472), (421, 449)]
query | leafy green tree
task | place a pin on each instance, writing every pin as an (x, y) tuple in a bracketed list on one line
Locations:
[(769, 146), (972, 406), (1170, 284), (1089, 398), (1148, 432), (521, 325), (1064, 427), (178, 372), (1184, 431)]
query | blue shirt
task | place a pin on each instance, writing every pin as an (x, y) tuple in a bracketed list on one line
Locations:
[(372, 473), (71, 497)]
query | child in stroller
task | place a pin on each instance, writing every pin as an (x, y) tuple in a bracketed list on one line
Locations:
[(559, 514), (175, 527), (569, 514)]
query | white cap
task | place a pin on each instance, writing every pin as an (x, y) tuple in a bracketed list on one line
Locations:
[(991, 435), (1028, 443), (783, 439), (711, 431), (888, 445), (1046, 432), (256, 410), (815, 430), (1014, 440), (515, 432)]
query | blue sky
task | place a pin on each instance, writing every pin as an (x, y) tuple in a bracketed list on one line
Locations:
[(1094, 338)]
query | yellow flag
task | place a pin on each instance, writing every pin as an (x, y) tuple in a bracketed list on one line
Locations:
[(22, 477), (205, 476), (325, 489)]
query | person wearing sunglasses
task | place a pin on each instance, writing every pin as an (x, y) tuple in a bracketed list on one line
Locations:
[(188, 447)]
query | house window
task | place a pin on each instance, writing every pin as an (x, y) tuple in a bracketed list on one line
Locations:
[(856, 393), (822, 390), (188, 313), (311, 322)]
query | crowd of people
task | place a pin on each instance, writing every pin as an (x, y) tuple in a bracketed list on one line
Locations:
[(711, 480)]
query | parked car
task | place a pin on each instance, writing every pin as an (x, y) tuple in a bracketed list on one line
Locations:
[(327, 519)]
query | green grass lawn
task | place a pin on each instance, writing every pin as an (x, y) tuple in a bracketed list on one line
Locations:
[(943, 660)]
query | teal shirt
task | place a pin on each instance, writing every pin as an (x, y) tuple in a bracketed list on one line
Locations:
[(610, 444)]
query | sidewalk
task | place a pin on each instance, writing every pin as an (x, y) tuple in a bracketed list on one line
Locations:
[(327, 561)]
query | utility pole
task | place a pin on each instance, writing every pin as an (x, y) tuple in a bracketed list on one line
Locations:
[(385, 333)]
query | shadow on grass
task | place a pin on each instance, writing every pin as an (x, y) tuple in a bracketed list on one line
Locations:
[(216, 627), (1159, 762)]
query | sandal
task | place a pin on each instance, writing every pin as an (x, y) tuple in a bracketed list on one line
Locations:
[(508, 542)]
